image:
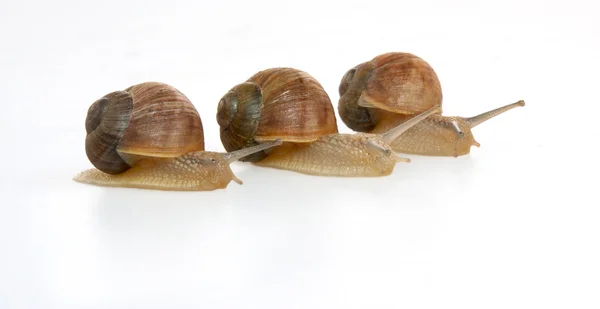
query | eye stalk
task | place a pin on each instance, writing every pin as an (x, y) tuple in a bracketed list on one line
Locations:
[(231, 157)]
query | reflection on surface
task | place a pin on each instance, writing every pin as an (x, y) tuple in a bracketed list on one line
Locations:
[(265, 238)]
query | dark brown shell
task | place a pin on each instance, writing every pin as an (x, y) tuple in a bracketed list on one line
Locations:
[(146, 120), (396, 82), (105, 124), (278, 103)]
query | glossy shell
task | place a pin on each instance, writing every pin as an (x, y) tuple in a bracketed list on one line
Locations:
[(396, 82), (145, 120), (275, 103)]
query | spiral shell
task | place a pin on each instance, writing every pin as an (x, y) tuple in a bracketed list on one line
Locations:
[(400, 83), (145, 120), (277, 103)]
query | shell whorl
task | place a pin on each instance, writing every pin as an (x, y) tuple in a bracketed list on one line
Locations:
[(238, 115), (105, 124), (353, 84), (400, 83), (277, 103)]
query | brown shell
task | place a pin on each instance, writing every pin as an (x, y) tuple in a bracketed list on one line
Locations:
[(277, 103), (295, 107), (149, 119), (106, 121), (164, 123), (402, 83)]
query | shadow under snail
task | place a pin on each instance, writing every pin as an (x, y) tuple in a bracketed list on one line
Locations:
[(150, 136), (289, 104), (390, 89)]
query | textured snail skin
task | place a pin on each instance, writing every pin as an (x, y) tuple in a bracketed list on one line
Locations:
[(195, 171), (344, 155), (435, 136)]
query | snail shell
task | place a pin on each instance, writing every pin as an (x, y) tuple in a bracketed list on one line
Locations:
[(396, 82), (145, 120), (277, 103)]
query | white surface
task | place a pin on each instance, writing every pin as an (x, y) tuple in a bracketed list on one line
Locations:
[(513, 225)]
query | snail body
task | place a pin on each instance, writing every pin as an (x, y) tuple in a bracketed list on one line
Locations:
[(289, 104), (390, 89), (151, 136), (335, 155)]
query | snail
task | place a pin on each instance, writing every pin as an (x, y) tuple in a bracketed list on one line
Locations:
[(291, 105), (390, 89), (150, 136)]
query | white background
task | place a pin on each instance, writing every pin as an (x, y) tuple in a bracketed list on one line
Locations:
[(513, 225)]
